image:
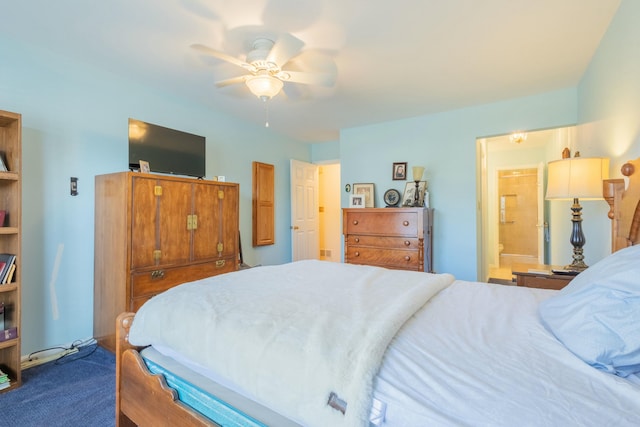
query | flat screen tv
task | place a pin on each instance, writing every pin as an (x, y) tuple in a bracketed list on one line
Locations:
[(167, 150)]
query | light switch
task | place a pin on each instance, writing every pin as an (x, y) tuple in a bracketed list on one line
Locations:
[(74, 186)]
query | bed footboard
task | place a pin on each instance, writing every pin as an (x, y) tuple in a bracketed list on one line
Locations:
[(143, 398)]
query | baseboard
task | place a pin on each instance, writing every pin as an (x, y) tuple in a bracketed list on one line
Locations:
[(39, 360), (40, 357)]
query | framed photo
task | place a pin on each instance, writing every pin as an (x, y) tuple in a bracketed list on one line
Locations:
[(399, 171), (408, 198), (356, 201), (144, 166), (367, 191)]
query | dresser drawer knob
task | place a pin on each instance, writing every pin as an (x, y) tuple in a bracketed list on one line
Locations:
[(407, 258), (407, 243), (405, 223), (157, 274), (356, 253), (356, 239), (355, 222)]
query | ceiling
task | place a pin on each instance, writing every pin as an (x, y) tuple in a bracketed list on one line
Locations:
[(394, 59)]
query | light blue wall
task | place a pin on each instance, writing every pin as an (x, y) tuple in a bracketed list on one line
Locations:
[(75, 124), (325, 152), (609, 92), (609, 108), (445, 144)]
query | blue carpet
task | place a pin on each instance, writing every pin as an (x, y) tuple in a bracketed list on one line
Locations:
[(78, 390)]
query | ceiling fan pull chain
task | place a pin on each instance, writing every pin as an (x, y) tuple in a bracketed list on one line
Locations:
[(266, 111)]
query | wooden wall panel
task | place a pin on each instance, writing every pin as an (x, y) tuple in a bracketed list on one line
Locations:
[(263, 214)]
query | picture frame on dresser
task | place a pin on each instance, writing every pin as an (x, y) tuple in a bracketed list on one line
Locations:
[(367, 189), (144, 167), (357, 201), (408, 196)]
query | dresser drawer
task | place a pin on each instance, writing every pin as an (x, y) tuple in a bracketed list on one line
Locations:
[(383, 242), (151, 282), (391, 258), (543, 282), (386, 222)]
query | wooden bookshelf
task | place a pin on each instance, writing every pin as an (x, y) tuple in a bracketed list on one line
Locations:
[(10, 240)]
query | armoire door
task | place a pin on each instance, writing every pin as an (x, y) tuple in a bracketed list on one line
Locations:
[(159, 232), (229, 220), (215, 207)]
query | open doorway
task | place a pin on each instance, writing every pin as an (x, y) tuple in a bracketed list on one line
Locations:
[(512, 216), (315, 211), (330, 213)]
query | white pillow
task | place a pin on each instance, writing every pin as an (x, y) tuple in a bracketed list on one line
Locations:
[(597, 316)]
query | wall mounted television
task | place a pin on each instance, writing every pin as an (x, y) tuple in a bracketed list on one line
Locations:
[(167, 150)]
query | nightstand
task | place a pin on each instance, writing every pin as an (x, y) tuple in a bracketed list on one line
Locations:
[(540, 276)]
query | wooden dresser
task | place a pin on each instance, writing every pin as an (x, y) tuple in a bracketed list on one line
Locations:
[(398, 238), (153, 232)]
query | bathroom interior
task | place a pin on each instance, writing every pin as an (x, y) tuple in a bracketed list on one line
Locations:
[(518, 220), (513, 208)]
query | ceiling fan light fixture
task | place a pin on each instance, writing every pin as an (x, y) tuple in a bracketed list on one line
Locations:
[(264, 86)]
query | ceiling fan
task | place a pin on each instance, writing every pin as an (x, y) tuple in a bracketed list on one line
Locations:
[(269, 66)]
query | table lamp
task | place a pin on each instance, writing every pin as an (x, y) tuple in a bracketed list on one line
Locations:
[(417, 176), (576, 178)]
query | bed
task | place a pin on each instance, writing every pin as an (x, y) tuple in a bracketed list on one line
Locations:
[(390, 348)]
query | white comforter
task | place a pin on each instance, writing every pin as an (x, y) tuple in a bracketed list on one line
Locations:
[(477, 355), (291, 335)]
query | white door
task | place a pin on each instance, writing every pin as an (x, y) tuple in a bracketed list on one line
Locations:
[(304, 211)]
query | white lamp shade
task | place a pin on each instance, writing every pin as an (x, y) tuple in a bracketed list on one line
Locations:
[(577, 177)]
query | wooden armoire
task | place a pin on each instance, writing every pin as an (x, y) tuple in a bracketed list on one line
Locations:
[(153, 232)]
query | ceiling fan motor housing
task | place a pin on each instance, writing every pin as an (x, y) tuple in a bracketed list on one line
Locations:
[(258, 56)]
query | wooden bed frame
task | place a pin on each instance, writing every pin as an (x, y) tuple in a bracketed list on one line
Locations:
[(624, 206), (144, 399)]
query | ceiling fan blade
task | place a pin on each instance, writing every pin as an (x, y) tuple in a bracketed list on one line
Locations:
[(285, 48), (232, 81), (296, 92), (322, 79), (221, 55)]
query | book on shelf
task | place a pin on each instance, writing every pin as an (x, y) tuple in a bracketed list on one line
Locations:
[(10, 274), (9, 334), (3, 216), (5, 381), (8, 260)]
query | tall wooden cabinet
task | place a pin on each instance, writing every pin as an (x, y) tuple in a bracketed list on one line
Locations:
[(398, 238), (153, 232), (10, 242)]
